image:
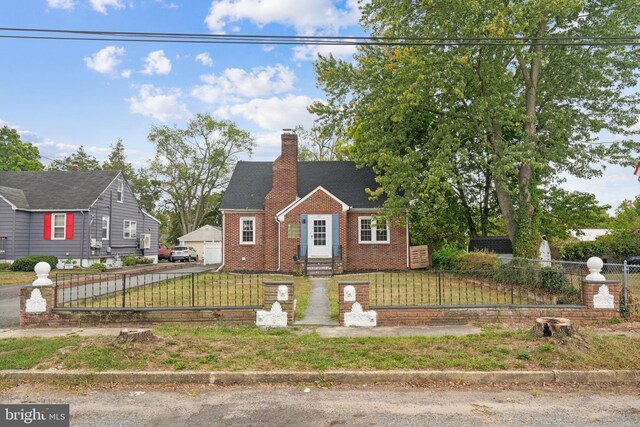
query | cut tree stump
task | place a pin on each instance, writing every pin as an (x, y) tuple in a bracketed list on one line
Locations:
[(136, 335), (553, 326)]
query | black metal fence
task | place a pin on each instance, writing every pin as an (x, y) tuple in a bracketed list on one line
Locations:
[(460, 288), (153, 291)]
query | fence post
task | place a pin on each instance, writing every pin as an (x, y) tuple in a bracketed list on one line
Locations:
[(625, 284), (193, 287), (37, 300), (124, 288)]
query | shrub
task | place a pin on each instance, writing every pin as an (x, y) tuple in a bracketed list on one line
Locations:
[(5, 266), (98, 266), (129, 260), (27, 263), (582, 251), (479, 262), (447, 258), (552, 279), (143, 260)]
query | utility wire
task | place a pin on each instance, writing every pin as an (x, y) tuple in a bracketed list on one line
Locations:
[(251, 39)]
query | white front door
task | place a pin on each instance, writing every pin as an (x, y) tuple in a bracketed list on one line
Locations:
[(319, 236)]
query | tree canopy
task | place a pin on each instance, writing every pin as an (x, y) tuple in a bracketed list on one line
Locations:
[(486, 114), (84, 161), (16, 155), (195, 163)]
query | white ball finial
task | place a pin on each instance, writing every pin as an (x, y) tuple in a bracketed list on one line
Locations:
[(595, 264), (42, 270)]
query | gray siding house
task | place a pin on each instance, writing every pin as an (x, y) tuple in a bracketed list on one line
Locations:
[(86, 216)]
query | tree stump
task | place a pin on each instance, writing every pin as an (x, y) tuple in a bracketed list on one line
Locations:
[(553, 327), (136, 335)]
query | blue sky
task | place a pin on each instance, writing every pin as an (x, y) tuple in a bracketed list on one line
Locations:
[(63, 94)]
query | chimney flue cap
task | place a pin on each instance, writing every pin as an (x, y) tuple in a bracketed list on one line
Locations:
[(289, 131)]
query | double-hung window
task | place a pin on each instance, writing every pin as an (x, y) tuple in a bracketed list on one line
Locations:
[(105, 227), (58, 226), (120, 193), (372, 230), (247, 230), (129, 229)]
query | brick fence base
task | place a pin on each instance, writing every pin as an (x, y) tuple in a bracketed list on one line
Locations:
[(470, 315), (224, 317)]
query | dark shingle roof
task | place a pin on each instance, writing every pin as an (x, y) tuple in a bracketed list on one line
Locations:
[(251, 181), (54, 190), (497, 244)]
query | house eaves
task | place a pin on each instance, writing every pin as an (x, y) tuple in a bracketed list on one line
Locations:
[(281, 215)]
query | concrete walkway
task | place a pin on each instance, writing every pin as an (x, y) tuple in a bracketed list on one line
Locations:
[(317, 313)]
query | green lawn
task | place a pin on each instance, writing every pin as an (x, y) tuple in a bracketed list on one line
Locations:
[(237, 349), (8, 277)]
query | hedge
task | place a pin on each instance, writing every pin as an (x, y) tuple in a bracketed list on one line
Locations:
[(28, 263)]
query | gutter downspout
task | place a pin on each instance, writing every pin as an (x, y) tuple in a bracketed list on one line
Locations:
[(82, 242), (279, 257), (223, 242), (407, 243)]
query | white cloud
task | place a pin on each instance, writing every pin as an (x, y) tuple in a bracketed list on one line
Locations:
[(310, 52), (126, 74), (161, 105), (61, 4), (274, 113), (101, 5), (205, 59), (106, 60), (307, 17), (156, 63), (235, 83)]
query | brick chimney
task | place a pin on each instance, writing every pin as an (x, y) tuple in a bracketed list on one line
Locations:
[(284, 190)]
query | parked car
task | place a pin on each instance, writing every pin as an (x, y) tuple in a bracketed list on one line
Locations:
[(183, 253), (164, 252), (634, 264)]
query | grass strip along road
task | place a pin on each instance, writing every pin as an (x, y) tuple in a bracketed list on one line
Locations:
[(237, 349)]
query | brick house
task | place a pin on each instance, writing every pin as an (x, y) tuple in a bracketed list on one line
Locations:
[(317, 216)]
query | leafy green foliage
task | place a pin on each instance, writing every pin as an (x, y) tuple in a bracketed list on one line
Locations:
[(129, 260), (195, 163), (84, 161), (16, 155), (447, 258), (582, 251), (456, 131), (27, 263)]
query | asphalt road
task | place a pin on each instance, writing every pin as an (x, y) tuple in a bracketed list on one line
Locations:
[(10, 294), (268, 406)]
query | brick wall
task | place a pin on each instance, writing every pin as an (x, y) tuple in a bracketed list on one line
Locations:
[(381, 256), (318, 203), (243, 257)]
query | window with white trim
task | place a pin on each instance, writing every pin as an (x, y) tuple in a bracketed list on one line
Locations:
[(247, 230), (58, 226), (129, 229), (372, 231), (105, 227), (120, 197)]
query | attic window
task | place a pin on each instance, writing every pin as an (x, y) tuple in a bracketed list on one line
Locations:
[(294, 230), (120, 191)]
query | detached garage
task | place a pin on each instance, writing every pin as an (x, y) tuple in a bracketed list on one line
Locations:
[(197, 238)]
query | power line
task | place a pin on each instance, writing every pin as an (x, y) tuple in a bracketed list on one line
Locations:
[(252, 39)]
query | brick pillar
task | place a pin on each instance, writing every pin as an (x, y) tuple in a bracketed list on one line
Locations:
[(362, 296), (45, 318), (270, 295), (590, 288)]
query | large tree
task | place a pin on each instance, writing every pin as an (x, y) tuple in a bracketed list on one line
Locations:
[(16, 155), (195, 163), (146, 188), (486, 94), (82, 159)]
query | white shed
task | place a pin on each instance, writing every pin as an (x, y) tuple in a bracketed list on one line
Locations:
[(197, 238)]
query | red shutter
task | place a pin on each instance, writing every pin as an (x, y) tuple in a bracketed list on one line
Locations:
[(47, 226), (69, 227)]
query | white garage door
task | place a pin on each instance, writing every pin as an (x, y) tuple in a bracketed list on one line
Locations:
[(212, 252)]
